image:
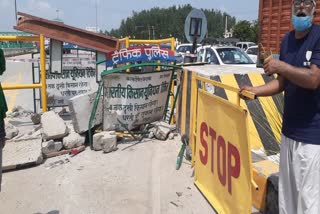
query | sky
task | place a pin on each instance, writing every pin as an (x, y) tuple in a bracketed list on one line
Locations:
[(82, 13)]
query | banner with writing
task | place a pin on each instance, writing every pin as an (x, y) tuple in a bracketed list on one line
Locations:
[(134, 99), (71, 82), (136, 54)]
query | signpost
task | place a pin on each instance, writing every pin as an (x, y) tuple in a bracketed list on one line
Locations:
[(55, 56), (195, 27)]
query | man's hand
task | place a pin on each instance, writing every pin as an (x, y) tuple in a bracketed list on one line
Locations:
[(273, 66), (246, 88)]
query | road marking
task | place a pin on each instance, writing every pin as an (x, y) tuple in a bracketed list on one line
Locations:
[(12, 94)]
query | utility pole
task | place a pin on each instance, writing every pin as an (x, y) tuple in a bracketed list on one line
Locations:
[(226, 28), (57, 10), (153, 32), (15, 9), (96, 16), (136, 28)]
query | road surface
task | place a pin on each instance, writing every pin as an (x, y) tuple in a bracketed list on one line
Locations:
[(140, 179)]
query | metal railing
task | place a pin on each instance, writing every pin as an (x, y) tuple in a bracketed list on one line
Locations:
[(43, 84)]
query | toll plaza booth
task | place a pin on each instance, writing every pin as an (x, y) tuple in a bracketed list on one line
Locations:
[(234, 143), (60, 76)]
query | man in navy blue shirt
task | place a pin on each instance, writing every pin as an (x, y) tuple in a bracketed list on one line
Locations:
[(298, 72)]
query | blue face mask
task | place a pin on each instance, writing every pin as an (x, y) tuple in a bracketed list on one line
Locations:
[(301, 23)]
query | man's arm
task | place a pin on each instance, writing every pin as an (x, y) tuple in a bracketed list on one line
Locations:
[(273, 87), (308, 78)]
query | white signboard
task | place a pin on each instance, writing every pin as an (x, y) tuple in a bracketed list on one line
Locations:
[(56, 56), (102, 66), (71, 82), (79, 62), (134, 99)]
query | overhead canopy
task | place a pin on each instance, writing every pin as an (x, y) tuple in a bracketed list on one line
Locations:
[(62, 32)]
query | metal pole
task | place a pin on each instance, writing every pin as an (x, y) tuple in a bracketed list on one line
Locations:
[(15, 9), (96, 17), (43, 74), (153, 32)]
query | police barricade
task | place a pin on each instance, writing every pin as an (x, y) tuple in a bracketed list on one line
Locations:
[(265, 113), (221, 149), (135, 91)]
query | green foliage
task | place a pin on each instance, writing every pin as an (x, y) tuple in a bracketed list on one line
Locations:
[(158, 23), (246, 31)]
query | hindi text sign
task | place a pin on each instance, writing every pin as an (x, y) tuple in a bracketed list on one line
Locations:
[(134, 99), (72, 81)]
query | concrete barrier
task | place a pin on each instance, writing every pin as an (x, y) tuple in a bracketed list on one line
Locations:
[(9, 52)]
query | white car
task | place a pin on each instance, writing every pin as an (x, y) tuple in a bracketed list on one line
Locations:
[(253, 52), (185, 48), (245, 45), (183, 51), (224, 55)]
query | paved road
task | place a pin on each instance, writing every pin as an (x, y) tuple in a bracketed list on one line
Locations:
[(141, 179), (18, 73)]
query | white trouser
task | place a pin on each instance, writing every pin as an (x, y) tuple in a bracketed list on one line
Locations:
[(299, 179)]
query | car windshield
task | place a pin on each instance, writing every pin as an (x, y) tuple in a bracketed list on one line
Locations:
[(234, 56), (185, 48)]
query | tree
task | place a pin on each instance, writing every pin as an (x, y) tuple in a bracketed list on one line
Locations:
[(246, 31), (166, 22), (255, 28)]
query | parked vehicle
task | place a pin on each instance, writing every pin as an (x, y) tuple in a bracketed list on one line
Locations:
[(245, 45), (224, 55), (253, 52), (183, 52), (185, 48)]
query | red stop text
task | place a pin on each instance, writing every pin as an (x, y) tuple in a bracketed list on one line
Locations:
[(225, 157)]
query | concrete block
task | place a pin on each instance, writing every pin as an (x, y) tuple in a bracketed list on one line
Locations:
[(51, 146), (162, 130), (22, 153), (262, 172), (73, 140), (19, 112), (258, 155), (70, 126), (53, 126), (80, 108), (11, 131), (36, 118), (272, 199), (97, 141), (109, 143), (106, 141), (171, 136), (36, 132)]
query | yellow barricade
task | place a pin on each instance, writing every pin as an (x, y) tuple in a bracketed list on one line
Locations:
[(265, 113), (223, 170)]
